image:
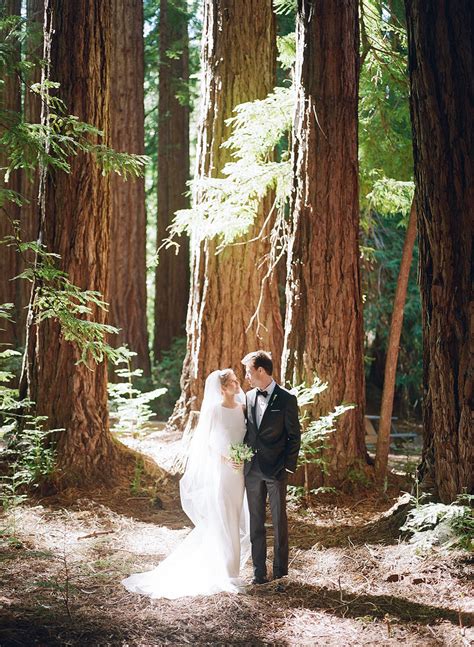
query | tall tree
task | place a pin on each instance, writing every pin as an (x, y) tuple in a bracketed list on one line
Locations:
[(126, 290), (388, 394), (324, 326), (75, 224), (442, 91), (29, 217), (10, 105), (172, 272), (238, 65)]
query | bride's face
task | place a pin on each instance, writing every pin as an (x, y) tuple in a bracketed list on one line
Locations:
[(231, 386)]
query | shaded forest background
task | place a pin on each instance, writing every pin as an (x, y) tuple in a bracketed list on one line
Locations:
[(182, 182), (225, 179)]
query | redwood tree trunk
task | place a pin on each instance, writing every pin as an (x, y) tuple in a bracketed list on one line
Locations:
[(29, 219), (442, 90), (172, 272), (238, 65), (126, 291), (383, 436), (324, 325), (10, 100), (76, 226)]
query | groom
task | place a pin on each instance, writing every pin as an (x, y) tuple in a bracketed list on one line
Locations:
[(273, 431)]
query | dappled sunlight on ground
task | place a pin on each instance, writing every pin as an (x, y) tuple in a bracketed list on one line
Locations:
[(352, 581)]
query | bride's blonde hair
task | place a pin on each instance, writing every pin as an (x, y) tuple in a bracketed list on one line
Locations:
[(225, 375)]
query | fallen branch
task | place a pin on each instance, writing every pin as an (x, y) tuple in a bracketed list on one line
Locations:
[(97, 534)]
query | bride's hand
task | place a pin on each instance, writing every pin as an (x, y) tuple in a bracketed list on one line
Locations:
[(233, 464)]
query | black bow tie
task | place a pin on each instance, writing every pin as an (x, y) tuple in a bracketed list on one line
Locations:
[(264, 393)]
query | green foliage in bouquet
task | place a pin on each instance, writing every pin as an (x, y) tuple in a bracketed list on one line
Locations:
[(241, 453)]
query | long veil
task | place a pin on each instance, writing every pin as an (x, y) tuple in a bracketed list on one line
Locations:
[(199, 479), (199, 484), (198, 566)]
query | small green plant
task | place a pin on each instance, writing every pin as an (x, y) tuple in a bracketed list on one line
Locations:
[(358, 476), (135, 486), (29, 459), (439, 524), (167, 374), (315, 432), (298, 492), (129, 406)]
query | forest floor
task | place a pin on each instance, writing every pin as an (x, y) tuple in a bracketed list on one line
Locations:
[(352, 580)]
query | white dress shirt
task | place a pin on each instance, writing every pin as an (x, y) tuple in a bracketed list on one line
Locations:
[(262, 402)]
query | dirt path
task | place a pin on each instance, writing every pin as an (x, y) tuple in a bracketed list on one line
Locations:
[(351, 581)]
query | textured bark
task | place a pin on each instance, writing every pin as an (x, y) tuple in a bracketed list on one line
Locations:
[(385, 425), (442, 92), (10, 100), (172, 273), (126, 291), (324, 325), (76, 226), (29, 218), (238, 64)]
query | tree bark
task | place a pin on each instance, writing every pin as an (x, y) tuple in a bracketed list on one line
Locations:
[(10, 100), (172, 272), (440, 51), (324, 321), (126, 292), (383, 437), (238, 65), (76, 225), (29, 219)]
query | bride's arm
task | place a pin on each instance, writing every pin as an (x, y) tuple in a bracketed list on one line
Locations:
[(218, 442)]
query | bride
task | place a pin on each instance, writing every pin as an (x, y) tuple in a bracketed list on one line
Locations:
[(212, 495)]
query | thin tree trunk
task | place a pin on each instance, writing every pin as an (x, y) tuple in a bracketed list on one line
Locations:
[(172, 272), (238, 63), (440, 54), (10, 100), (29, 221), (324, 322), (126, 291), (76, 225), (383, 437)]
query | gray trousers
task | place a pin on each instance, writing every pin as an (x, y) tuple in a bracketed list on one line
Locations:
[(258, 486)]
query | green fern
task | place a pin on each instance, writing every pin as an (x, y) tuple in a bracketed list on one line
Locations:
[(228, 206), (52, 145), (285, 7)]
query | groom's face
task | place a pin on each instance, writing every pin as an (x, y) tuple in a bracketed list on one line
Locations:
[(257, 377)]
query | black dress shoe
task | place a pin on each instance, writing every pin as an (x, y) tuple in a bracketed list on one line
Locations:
[(279, 586), (260, 580)]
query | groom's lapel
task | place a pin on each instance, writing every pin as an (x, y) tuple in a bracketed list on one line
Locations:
[(253, 402), (273, 400)]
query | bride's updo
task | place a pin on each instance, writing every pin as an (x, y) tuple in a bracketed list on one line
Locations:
[(225, 375)]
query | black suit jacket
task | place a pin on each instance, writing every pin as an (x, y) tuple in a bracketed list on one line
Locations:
[(277, 440)]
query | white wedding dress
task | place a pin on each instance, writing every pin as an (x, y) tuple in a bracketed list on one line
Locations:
[(213, 496)]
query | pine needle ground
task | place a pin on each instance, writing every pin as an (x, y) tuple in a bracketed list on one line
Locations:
[(352, 581)]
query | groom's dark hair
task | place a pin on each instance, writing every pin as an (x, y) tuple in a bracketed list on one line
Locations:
[(260, 358)]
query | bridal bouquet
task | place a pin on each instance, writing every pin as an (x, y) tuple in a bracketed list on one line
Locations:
[(240, 452)]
